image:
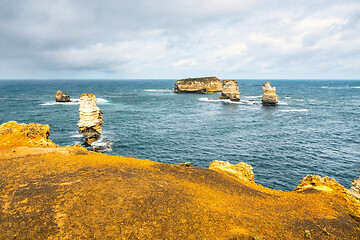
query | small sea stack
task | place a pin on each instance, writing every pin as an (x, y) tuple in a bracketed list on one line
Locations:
[(230, 90), (269, 97), (90, 118), (198, 85), (62, 97)]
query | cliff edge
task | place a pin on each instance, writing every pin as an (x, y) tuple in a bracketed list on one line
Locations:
[(198, 85), (71, 193)]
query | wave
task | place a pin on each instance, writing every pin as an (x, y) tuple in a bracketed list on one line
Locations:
[(158, 90), (252, 96), (356, 87), (101, 100), (226, 101), (324, 87), (76, 135), (61, 103), (282, 103), (294, 110)]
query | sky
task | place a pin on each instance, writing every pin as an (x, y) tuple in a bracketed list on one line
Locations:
[(173, 39)]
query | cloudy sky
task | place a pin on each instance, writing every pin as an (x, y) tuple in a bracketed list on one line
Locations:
[(126, 39)]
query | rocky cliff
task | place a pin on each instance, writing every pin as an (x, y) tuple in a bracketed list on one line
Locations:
[(198, 85), (62, 97), (90, 123), (355, 189), (70, 193), (230, 90), (269, 97)]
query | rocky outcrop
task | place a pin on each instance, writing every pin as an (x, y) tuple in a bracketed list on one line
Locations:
[(355, 189), (198, 85), (90, 118), (269, 97), (230, 90), (62, 97), (33, 134), (242, 171), (326, 184)]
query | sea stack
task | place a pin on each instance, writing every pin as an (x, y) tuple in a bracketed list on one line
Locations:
[(230, 90), (355, 189), (269, 97), (90, 118), (62, 97), (198, 85)]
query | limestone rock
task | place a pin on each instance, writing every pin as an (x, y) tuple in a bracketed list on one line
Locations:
[(90, 118), (198, 85), (230, 90), (269, 97), (326, 184), (355, 189), (62, 97), (242, 171), (33, 134)]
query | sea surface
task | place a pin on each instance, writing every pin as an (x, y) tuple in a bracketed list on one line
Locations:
[(315, 128)]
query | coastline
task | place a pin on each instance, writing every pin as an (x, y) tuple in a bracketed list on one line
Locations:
[(48, 191)]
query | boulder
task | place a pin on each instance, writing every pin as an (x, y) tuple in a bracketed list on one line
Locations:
[(230, 90), (319, 183), (269, 97), (355, 189), (242, 171), (90, 123), (62, 97), (198, 85)]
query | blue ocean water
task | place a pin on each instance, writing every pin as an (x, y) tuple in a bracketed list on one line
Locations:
[(313, 130)]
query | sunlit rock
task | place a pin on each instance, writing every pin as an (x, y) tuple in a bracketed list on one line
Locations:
[(198, 85), (62, 97), (230, 90), (242, 171), (269, 97)]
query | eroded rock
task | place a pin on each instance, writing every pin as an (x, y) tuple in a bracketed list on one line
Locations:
[(33, 134), (230, 90), (198, 85), (90, 123), (269, 97), (62, 97), (326, 184), (355, 189), (242, 171)]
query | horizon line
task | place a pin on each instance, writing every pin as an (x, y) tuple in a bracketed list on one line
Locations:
[(119, 79)]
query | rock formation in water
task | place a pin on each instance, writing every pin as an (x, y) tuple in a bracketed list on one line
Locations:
[(198, 85), (90, 118), (230, 90), (355, 189), (71, 193), (242, 171), (269, 97), (62, 97)]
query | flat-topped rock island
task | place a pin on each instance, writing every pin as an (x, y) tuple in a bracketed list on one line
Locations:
[(198, 85)]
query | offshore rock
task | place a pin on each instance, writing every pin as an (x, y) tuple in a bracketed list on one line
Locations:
[(230, 90), (242, 171), (90, 118), (62, 97), (198, 85), (13, 134), (269, 97), (355, 189)]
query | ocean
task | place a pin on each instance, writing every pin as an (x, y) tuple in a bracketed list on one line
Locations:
[(315, 128)]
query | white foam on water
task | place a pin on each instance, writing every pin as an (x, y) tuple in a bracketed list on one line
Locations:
[(101, 100), (356, 87), (324, 87), (294, 110), (282, 103), (287, 97), (158, 90), (60, 103), (226, 101), (252, 96), (76, 135)]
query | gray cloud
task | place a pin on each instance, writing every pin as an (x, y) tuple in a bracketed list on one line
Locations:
[(179, 38)]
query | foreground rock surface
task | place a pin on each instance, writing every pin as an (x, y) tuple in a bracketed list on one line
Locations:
[(70, 193), (62, 97), (242, 171), (269, 97), (230, 90), (198, 85), (90, 123)]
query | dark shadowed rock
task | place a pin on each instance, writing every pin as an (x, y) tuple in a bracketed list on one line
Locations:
[(62, 97)]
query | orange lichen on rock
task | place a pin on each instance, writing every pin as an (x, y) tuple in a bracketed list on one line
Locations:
[(13, 134), (242, 171), (72, 193)]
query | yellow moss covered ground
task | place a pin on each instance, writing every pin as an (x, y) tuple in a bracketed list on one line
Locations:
[(71, 193)]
